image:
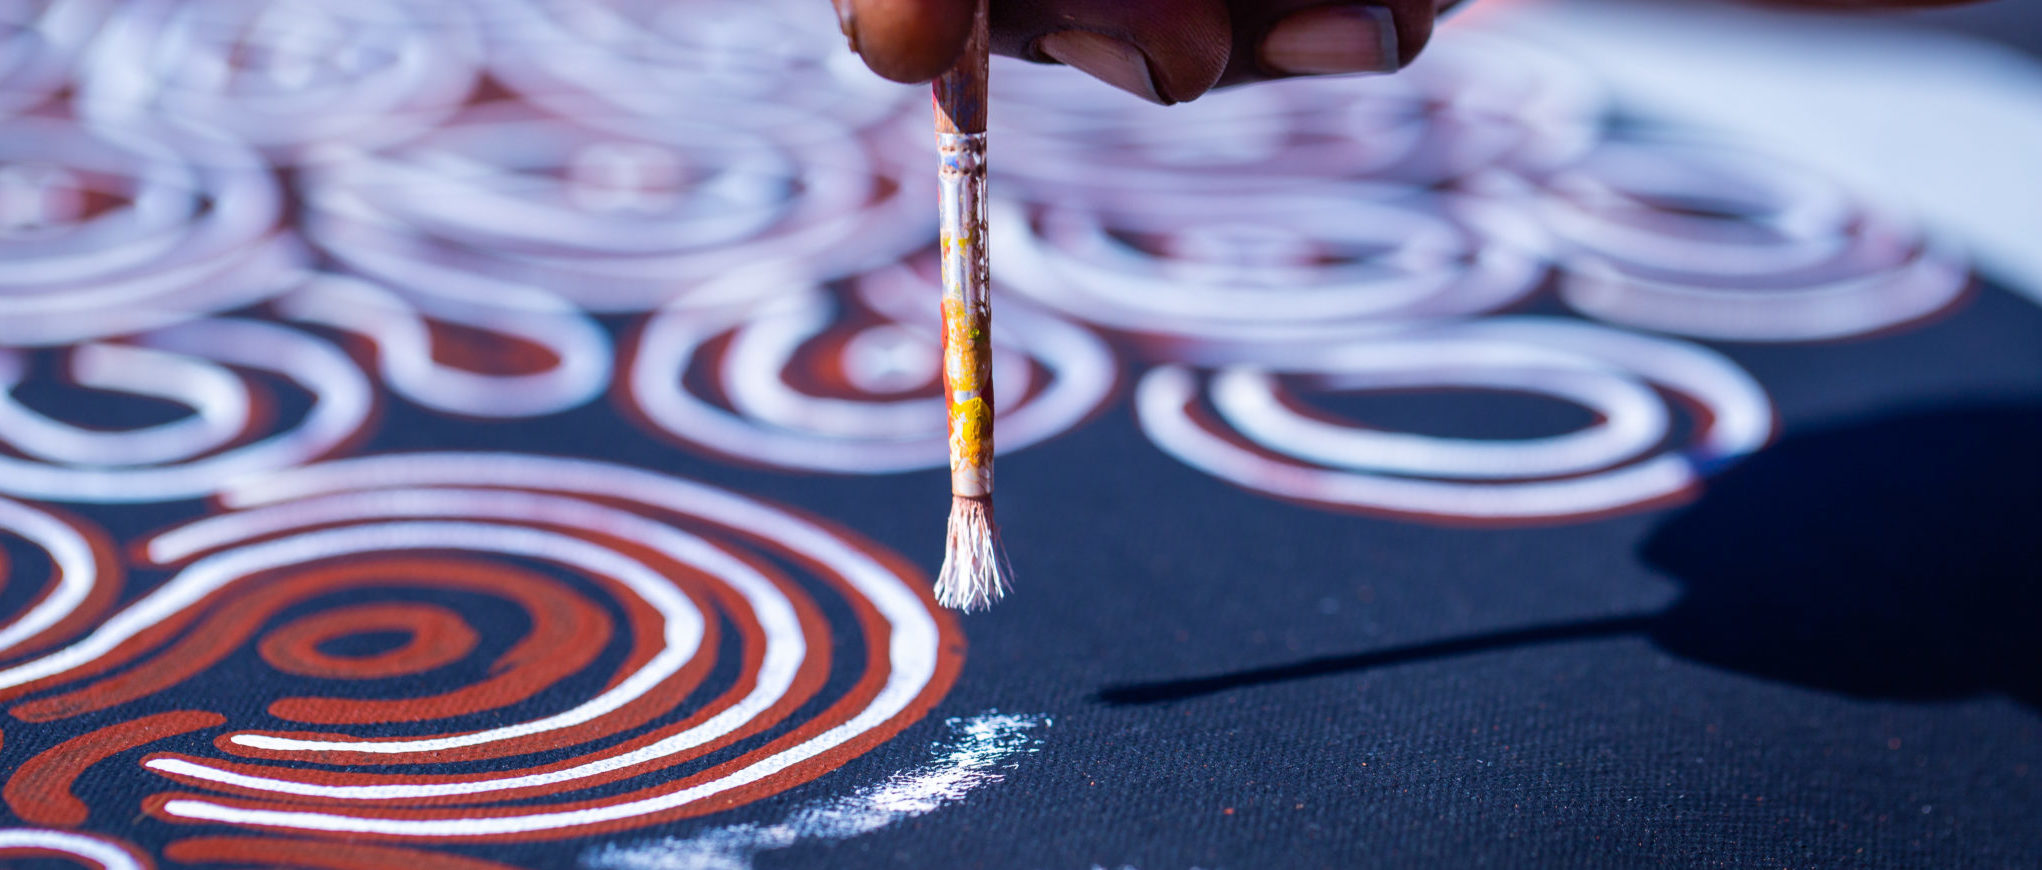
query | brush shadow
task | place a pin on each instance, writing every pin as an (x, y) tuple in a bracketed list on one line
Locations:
[(1178, 690), (1899, 558)]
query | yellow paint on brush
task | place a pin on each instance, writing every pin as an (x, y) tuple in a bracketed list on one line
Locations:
[(960, 359), (970, 422)]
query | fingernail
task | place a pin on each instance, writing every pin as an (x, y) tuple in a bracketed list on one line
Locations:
[(1332, 39), (1107, 59)]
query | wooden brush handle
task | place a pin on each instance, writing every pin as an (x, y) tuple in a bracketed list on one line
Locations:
[(961, 93)]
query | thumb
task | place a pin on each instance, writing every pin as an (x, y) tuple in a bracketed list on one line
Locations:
[(907, 40)]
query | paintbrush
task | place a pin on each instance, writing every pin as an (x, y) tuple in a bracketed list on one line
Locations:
[(975, 570)]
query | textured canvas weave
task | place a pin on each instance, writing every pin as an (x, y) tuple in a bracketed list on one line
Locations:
[(507, 434)]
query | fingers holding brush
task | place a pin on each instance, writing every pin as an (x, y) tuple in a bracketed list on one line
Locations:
[(907, 40), (1164, 51), (1171, 51), (1289, 38)]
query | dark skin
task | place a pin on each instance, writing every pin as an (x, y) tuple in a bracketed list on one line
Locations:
[(1171, 51)]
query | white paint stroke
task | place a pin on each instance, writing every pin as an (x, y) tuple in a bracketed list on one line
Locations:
[(977, 752)]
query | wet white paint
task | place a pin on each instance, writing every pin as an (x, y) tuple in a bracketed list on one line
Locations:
[(977, 752)]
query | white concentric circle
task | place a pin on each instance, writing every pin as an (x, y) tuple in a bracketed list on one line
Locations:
[(1723, 244), (113, 231), (1256, 440), (1183, 272), (671, 547), (197, 454), (1630, 418), (615, 220), (795, 378), (287, 76)]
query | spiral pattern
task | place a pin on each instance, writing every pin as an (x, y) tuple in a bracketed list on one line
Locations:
[(296, 79), (1718, 243), (627, 581), (1246, 425), (115, 230), (852, 384), (441, 649)]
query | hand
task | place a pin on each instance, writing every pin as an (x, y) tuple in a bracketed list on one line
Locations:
[(1170, 51), (1165, 51)]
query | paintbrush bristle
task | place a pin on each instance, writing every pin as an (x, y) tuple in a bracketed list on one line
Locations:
[(975, 570)]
